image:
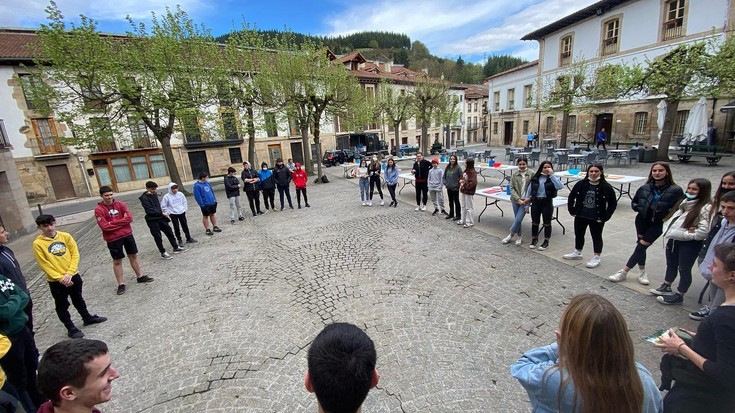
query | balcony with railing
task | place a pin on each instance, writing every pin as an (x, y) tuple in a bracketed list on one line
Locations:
[(4, 139), (673, 28), (610, 46), (50, 145), (565, 58)]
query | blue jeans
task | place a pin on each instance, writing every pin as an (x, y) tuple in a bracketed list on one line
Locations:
[(364, 189), (519, 212)]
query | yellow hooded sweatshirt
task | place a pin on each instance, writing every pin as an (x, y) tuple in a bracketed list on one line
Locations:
[(56, 256)]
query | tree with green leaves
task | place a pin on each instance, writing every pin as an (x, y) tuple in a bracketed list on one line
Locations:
[(100, 85), (428, 97), (395, 105), (307, 83)]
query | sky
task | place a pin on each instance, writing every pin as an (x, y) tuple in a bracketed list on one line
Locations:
[(474, 29)]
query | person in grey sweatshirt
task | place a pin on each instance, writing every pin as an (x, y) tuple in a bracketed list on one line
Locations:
[(436, 183)]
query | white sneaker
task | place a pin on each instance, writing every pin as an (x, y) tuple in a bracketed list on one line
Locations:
[(574, 255), (382, 203), (423, 207), (418, 208), (363, 203), (643, 278), (594, 262), (370, 203), (460, 223), (519, 241), (618, 276), (507, 239)]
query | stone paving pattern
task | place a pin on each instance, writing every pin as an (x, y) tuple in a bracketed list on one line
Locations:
[(226, 325)]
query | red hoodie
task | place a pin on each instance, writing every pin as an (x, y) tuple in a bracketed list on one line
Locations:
[(114, 220), (49, 408), (299, 177)]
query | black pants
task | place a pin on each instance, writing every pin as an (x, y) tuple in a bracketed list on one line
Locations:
[(285, 190), (580, 228), (254, 201), (455, 210), (680, 257), (392, 192), (375, 181), (601, 143), (179, 221), (422, 193), (300, 191), (541, 207), (156, 226), (20, 364), (648, 231), (269, 195), (62, 294)]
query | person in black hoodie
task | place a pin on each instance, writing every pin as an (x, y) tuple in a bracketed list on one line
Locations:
[(282, 175), (10, 267), (251, 187), (158, 221), (232, 190), (420, 170)]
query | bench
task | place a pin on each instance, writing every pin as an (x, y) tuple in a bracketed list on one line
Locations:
[(711, 153)]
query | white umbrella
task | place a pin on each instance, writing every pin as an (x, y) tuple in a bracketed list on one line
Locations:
[(696, 127), (661, 119)]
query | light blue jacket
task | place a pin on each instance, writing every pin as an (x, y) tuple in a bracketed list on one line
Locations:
[(543, 388), (391, 176)]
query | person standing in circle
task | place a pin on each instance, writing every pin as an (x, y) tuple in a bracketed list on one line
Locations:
[(654, 202), (518, 187), (467, 187), (540, 194), (591, 203), (391, 180), (374, 174)]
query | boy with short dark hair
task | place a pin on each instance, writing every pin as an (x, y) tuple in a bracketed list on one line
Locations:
[(76, 375), (342, 370), (157, 220), (114, 219), (58, 257), (232, 190), (204, 194)]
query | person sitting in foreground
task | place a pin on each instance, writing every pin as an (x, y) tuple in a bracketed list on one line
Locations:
[(341, 368), (566, 376)]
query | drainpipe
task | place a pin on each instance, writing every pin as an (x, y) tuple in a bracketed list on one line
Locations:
[(84, 175)]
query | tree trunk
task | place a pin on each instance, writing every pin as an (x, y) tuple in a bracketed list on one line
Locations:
[(564, 129), (306, 148), (672, 106), (424, 135), (251, 136), (168, 157), (397, 134)]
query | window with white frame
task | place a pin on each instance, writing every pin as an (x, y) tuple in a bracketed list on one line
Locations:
[(528, 96), (496, 101), (673, 26), (511, 99), (611, 36), (565, 50), (550, 125), (640, 123), (681, 121)]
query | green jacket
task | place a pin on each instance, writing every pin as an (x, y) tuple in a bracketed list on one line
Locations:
[(517, 189), (12, 303)]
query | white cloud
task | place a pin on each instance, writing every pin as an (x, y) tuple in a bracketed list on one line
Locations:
[(451, 28), (30, 13)]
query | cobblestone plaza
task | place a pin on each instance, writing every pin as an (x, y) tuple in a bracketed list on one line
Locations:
[(226, 324)]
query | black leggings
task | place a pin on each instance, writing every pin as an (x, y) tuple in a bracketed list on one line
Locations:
[(422, 193), (375, 181), (680, 257), (647, 231), (179, 221), (392, 192), (541, 207), (299, 191), (580, 228), (455, 210), (285, 190), (269, 195), (254, 201)]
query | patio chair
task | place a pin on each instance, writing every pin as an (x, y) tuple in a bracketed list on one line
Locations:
[(535, 156), (575, 149), (507, 153), (562, 160), (512, 157), (550, 154), (602, 156), (588, 160), (631, 155), (487, 155)]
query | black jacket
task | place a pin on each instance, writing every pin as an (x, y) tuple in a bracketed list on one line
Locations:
[(549, 187), (282, 176), (152, 207), (249, 174), (606, 200), (10, 268), (669, 199), (232, 186), (422, 170)]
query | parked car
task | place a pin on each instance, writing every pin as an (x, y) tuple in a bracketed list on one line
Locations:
[(334, 158), (436, 148), (406, 150)]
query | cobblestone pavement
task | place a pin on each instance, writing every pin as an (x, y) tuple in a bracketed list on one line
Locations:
[(226, 324)]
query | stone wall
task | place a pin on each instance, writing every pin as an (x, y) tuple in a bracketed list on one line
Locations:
[(14, 211)]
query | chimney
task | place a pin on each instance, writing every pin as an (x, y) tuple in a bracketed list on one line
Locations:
[(387, 66)]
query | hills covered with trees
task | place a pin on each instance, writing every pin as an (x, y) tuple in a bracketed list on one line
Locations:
[(399, 48)]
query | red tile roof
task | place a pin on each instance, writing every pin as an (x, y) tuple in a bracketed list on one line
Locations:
[(14, 44), (354, 56)]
